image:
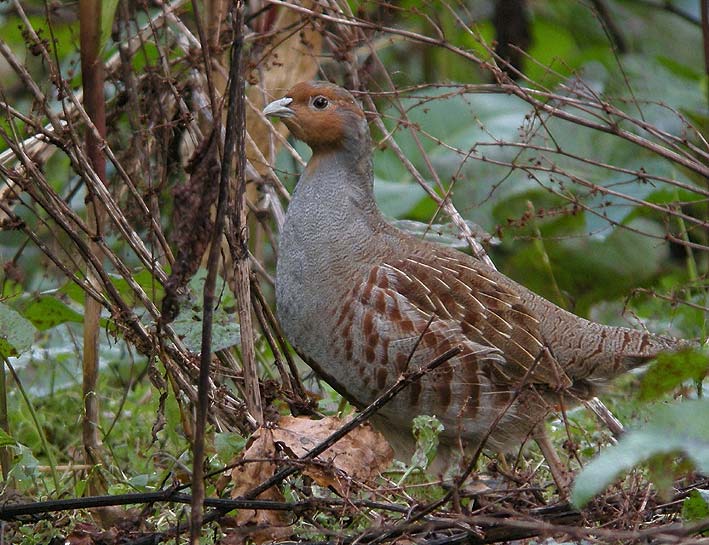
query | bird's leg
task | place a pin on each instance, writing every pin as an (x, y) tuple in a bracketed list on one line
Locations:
[(559, 473)]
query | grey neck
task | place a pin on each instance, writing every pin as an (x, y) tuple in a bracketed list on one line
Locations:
[(337, 187), (328, 234)]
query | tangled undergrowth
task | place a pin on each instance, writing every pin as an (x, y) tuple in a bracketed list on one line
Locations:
[(576, 159)]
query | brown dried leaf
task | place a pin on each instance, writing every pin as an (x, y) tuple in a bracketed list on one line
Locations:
[(358, 456), (292, 57), (82, 534), (258, 465), (192, 221), (79, 538)]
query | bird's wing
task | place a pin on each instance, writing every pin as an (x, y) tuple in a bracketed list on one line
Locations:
[(447, 301)]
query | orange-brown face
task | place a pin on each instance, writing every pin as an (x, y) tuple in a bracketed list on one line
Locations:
[(320, 114)]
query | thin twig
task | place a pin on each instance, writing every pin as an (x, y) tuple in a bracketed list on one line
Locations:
[(230, 143)]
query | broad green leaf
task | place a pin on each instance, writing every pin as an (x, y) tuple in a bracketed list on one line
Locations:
[(225, 329), (462, 121), (647, 77), (225, 297), (16, 332), (6, 439), (47, 311), (80, 487), (108, 10), (680, 429), (591, 269), (553, 47), (142, 277), (426, 430), (664, 469), (26, 467), (188, 324), (145, 280), (669, 195), (149, 55), (139, 482), (397, 199), (73, 291), (672, 369), (696, 506), (228, 445)]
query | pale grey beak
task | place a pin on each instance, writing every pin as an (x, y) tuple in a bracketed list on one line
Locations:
[(279, 108)]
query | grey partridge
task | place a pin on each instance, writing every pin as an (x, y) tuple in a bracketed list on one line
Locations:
[(361, 301)]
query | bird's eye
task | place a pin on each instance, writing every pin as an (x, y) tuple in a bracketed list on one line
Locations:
[(320, 102)]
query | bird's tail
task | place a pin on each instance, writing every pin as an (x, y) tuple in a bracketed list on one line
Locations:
[(592, 351), (621, 350)]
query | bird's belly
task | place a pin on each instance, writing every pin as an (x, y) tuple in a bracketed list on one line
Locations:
[(466, 417), (305, 306)]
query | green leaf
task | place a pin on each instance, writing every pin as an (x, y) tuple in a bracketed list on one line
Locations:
[(461, 121), (108, 10), (426, 430), (80, 487), (696, 506), (663, 470), (228, 445), (139, 482), (144, 278), (553, 46), (26, 467), (6, 439), (397, 199), (225, 330), (188, 324), (679, 429), (672, 369), (589, 269), (73, 291), (16, 332), (47, 311)]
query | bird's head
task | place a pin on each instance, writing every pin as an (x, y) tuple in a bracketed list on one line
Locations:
[(323, 115)]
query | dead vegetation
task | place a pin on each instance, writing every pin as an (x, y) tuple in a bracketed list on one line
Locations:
[(168, 98)]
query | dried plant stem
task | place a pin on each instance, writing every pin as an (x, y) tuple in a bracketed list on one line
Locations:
[(93, 81), (233, 139), (5, 455), (560, 474), (238, 232), (544, 258), (598, 408), (274, 326)]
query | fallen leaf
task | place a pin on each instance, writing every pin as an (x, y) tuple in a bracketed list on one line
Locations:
[(358, 457), (78, 538), (82, 534), (293, 57), (258, 463)]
